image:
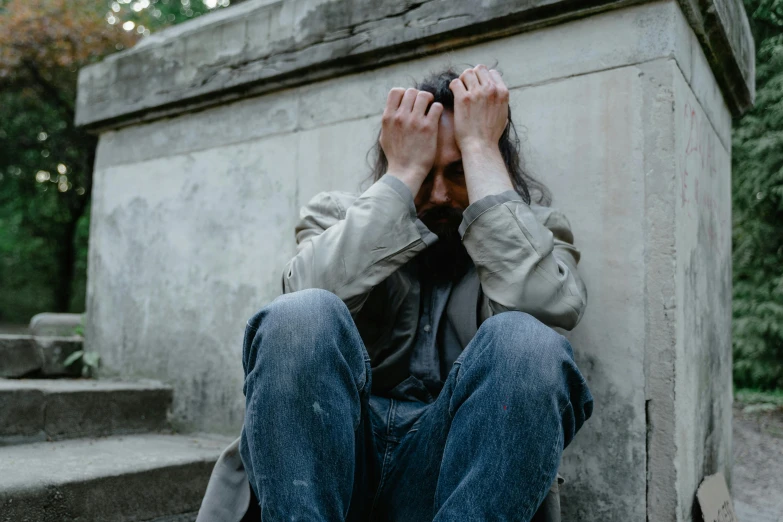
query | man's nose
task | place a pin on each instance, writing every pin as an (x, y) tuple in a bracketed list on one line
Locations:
[(440, 193)]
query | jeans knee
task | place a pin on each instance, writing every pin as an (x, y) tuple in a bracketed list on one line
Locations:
[(517, 336), (297, 308), (291, 325), (531, 359), (542, 361)]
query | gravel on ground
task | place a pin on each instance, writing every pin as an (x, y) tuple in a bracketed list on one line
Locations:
[(757, 475)]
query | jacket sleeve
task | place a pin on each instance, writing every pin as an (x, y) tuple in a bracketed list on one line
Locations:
[(524, 263), (349, 250)]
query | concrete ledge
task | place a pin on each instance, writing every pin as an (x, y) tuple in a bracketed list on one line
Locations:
[(123, 479), (56, 325), (724, 33), (264, 45), (22, 355), (39, 409), (18, 355)]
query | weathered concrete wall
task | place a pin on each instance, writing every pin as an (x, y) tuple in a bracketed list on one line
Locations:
[(193, 216), (703, 241)]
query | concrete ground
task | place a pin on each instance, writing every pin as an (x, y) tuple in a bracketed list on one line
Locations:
[(758, 463)]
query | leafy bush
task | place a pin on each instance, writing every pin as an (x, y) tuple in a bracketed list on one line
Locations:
[(757, 187)]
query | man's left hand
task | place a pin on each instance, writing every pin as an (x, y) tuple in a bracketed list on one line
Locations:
[(480, 107)]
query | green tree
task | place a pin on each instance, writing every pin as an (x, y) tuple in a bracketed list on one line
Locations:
[(45, 161), (757, 185)]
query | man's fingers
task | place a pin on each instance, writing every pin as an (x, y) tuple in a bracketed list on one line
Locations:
[(497, 78), (470, 79), (423, 98), (406, 105), (457, 87), (483, 75), (394, 98), (436, 109)]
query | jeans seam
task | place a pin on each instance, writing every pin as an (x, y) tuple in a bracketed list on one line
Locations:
[(458, 364), (386, 457), (528, 509), (251, 327), (367, 375), (392, 418)]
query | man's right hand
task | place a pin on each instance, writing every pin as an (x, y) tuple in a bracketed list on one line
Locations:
[(409, 137)]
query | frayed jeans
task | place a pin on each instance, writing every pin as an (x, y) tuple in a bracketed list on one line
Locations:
[(317, 445)]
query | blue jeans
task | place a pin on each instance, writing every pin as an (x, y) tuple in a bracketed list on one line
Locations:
[(318, 446)]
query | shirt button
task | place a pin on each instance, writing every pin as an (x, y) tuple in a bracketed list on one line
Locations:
[(427, 328)]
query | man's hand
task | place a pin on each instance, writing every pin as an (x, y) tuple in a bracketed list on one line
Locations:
[(480, 107), (409, 137), (480, 117)]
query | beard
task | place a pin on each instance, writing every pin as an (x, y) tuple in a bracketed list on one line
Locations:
[(447, 259)]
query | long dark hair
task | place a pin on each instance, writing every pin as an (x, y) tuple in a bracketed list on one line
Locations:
[(524, 184)]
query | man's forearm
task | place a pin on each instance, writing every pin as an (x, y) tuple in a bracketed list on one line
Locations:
[(349, 253), (485, 171), (520, 264)]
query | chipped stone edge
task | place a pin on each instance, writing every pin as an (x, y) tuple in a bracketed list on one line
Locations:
[(171, 74)]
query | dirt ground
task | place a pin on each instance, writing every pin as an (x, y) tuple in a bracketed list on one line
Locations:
[(757, 478)]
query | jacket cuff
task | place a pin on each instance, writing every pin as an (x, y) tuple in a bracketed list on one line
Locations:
[(477, 208), (405, 193)]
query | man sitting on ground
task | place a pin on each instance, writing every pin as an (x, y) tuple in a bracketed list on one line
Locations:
[(409, 371)]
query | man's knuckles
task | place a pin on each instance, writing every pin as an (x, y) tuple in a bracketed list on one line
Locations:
[(408, 121)]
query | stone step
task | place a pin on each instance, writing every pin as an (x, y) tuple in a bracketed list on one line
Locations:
[(22, 355), (57, 325), (115, 479), (34, 410)]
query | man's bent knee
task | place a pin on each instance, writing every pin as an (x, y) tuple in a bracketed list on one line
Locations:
[(517, 336), (298, 307), (523, 350), (301, 334)]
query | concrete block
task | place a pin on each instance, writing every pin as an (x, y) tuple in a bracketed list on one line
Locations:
[(18, 355), (630, 132), (54, 351), (55, 325), (22, 355), (39, 409), (259, 47), (122, 479)]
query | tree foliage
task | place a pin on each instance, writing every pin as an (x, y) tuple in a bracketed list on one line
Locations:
[(45, 161), (757, 185)]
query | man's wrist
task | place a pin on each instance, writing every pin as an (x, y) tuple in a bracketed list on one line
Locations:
[(478, 147), (485, 170), (412, 179), (402, 190)]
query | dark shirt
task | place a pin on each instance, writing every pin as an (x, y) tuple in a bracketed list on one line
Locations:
[(427, 349), (436, 345)]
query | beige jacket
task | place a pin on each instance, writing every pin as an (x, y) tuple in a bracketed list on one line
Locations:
[(357, 247)]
